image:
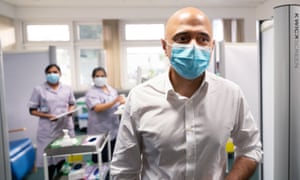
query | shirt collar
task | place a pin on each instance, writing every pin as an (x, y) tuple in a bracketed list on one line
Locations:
[(169, 90)]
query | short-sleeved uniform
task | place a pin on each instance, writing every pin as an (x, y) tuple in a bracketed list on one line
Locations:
[(55, 102), (104, 121)]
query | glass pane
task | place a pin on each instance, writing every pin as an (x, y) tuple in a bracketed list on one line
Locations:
[(144, 63), (218, 30), (144, 31), (90, 31), (63, 57), (48, 33), (89, 59)]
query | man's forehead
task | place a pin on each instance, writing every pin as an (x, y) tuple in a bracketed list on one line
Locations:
[(199, 29), (192, 21), (187, 14), (191, 18)]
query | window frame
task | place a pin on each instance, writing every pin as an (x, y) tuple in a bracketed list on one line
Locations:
[(73, 45), (76, 32), (80, 87), (27, 23), (133, 43)]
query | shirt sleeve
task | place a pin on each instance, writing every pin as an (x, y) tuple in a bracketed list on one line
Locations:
[(126, 161), (246, 134), (92, 99), (34, 99)]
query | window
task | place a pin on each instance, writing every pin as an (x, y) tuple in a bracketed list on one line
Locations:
[(228, 30), (78, 48), (48, 32), (89, 31), (144, 31), (143, 56), (89, 52), (144, 63), (218, 30), (63, 57), (89, 59)]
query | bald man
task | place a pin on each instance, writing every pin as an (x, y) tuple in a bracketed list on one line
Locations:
[(176, 125)]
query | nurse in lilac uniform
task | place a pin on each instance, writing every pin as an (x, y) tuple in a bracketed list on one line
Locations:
[(102, 101), (48, 100)]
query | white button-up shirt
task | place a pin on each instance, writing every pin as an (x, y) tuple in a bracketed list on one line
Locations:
[(165, 136)]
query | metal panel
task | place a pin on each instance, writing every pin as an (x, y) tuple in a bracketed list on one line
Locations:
[(294, 46), (4, 147), (281, 93), (267, 96)]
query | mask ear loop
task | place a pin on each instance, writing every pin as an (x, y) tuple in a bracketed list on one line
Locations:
[(191, 45), (203, 48), (168, 44)]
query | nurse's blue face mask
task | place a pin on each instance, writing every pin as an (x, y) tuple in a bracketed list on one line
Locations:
[(189, 60), (52, 78)]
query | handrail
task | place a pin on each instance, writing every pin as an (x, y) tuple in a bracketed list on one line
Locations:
[(16, 130)]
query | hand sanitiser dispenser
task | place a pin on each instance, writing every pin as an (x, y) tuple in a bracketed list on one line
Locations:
[(67, 140)]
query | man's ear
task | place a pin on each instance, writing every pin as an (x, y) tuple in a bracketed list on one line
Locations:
[(213, 45), (164, 46)]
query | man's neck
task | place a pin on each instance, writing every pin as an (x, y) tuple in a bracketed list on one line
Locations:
[(183, 86)]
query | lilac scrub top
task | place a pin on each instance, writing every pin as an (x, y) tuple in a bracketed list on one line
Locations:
[(55, 102), (104, 121)]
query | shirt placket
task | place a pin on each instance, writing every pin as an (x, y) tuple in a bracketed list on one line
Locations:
[(190, 140)]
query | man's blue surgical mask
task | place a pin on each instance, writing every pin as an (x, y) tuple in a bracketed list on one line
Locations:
[(52, 78), (189, 60)]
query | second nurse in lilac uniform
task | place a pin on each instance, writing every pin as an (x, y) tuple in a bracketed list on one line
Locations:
[(102, 101)]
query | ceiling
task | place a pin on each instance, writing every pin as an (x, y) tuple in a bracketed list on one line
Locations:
[(134, 3)]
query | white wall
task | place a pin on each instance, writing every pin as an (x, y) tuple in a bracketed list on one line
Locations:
[(248, 68), (7, 10), (18, 89)]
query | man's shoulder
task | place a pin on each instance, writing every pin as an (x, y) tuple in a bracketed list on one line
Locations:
[(221, 81), (156, 82), (150, 88)]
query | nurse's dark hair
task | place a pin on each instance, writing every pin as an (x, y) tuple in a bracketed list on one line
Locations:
[(50, 66), (95, 70)]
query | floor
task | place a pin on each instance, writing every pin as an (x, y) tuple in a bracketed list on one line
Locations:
[(37, 174)]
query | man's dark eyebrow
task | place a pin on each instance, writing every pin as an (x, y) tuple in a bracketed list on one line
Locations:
[(179, 34), (205, 35)]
